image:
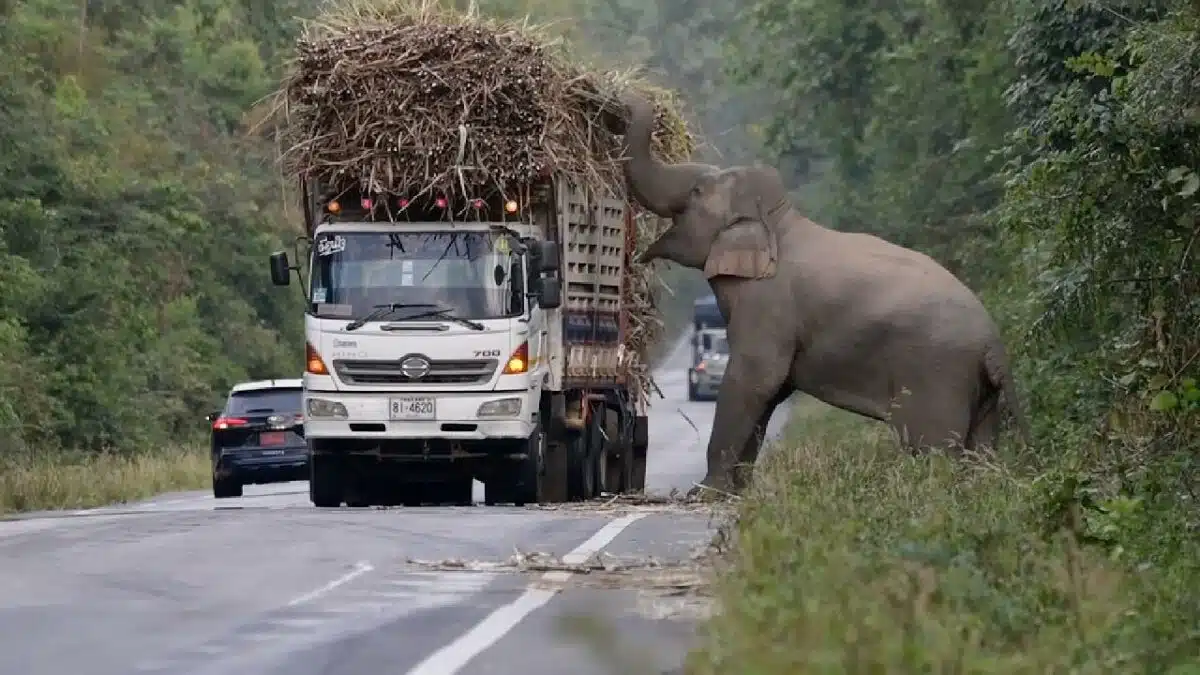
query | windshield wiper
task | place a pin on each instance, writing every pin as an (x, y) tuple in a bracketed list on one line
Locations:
[(444, 313), (380, 310)]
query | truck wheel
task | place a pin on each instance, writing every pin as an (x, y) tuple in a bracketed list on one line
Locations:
[(556, 472), (325, 481), (224, 488), (639, 448), (616, 450), (598, 451), (528, 488), (584, 463), (460, 491)]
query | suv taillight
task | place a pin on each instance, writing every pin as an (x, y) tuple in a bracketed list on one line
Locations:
[(227, 422)]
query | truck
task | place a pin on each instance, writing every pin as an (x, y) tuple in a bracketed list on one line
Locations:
[(452, 339)]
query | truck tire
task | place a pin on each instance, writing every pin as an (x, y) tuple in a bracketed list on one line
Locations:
[(556, 472), (225, 488), (617, 449), (325, 480), (459, 491), (523, 481), (529, 484), (584, 461), (641, 445)]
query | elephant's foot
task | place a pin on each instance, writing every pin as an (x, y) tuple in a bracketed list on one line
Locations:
[(712, 489)]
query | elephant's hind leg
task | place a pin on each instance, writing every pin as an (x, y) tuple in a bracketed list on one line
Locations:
[(939, 420)]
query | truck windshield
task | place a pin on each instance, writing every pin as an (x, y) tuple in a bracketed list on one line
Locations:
[(471, 275)]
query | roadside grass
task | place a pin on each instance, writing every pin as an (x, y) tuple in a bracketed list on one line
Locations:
[(46, 481), (850, 557)]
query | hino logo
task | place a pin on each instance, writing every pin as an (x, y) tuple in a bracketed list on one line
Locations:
[(415, 367)]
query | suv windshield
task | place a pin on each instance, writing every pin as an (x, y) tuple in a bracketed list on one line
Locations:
[(471, 275), (264, 401)]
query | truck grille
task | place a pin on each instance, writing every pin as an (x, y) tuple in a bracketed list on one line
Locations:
[(440, 372)]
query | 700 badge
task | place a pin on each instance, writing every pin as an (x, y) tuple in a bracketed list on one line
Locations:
[(412, 408)]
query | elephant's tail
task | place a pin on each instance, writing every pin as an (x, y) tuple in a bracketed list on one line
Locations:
[(999, 371)]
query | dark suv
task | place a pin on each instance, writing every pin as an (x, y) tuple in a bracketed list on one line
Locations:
[(258, 437)]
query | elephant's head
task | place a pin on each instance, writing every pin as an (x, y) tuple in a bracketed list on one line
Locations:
[(724, 221)]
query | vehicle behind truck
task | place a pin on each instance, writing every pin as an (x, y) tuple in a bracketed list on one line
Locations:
[(709, 350), (710, 356), (451, 340)]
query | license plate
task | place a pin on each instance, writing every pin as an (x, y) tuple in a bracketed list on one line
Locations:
[(413, 408), (271, 438), (270, 453)]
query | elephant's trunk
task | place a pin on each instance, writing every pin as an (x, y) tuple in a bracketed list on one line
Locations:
[(660, 188)]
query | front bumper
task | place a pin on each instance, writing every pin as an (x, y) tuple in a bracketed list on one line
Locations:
[(706, 383), (263, 465), (456, 417)]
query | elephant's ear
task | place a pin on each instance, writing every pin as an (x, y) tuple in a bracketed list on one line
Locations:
[(747, 249)]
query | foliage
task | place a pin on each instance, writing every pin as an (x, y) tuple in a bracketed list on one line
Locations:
[(853, 559), (76, 480), (133, 223)]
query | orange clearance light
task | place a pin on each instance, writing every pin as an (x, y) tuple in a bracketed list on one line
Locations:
[(440, 202), (478, 203), (519, 361), (366, 203), (510, 206), (402, 203), (334, 206), (313, 362)]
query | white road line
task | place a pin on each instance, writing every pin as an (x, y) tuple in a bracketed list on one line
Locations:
[(454, 656), (360, 569)]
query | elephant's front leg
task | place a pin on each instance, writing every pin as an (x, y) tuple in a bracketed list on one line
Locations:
[(744, 470), (748, 390)]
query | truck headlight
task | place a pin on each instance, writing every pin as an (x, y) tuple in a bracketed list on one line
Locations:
[(319, 407), (504, 407)]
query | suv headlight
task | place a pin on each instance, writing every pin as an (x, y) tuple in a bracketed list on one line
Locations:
[(319, 407), (504, 407)]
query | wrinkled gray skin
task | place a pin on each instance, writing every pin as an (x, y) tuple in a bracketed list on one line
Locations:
[(857, 322)]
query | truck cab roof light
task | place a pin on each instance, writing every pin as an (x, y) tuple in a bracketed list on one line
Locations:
[(510, 206), (477, 203), (366, 203), (440, 202), (334, 206), (402, 202)]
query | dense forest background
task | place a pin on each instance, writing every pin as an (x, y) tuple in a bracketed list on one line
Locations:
[(1045, 150)]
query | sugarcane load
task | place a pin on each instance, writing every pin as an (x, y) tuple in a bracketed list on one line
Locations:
[(475, 309)]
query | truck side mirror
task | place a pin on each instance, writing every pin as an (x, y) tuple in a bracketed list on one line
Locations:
[(548, 256), (281, 270), (550, 293)]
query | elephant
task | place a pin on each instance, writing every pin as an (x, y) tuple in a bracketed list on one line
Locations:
[(849, 318)]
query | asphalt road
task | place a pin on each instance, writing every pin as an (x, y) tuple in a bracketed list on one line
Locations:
[(266, 584)]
